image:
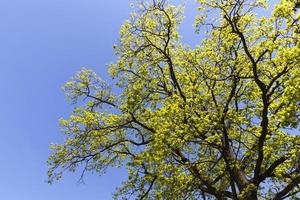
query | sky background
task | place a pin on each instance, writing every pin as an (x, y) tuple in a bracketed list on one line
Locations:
[(43, 43)]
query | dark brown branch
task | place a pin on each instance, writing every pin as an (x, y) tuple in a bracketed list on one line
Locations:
[(149, 188), (289, 187), (270, 170)]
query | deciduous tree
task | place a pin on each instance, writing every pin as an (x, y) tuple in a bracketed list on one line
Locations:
[(218, 121)]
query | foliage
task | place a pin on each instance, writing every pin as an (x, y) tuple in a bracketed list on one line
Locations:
[(219, 121)]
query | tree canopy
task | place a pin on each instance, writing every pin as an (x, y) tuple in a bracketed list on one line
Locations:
[(215, 121)]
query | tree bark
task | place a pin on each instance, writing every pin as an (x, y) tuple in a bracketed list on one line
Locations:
[(251, 195)]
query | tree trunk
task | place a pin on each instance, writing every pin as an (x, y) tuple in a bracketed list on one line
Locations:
[(251, 195)]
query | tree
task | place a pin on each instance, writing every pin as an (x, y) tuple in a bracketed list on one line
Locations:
[(218, 121)]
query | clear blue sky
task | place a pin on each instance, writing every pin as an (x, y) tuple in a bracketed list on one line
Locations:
[(42, 44)]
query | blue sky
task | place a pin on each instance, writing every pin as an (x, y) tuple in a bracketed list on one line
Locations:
[(42, 44)]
